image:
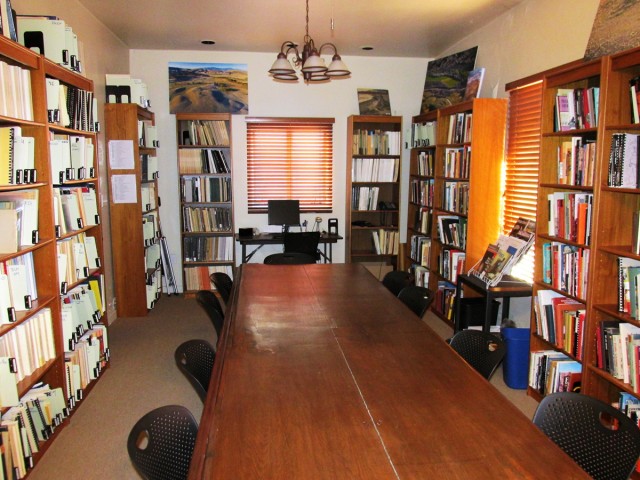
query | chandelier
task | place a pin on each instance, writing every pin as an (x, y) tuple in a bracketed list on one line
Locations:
[(309, 61)]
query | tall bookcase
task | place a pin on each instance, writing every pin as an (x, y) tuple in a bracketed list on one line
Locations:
[(455, 193), (133, 188), (205, 168), (373, 185), (45, 332)]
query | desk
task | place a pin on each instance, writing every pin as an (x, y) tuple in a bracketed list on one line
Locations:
[(326, 239), (321, 373), (508, 288)]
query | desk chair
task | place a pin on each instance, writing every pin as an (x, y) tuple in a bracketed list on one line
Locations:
[(195, 359), (396, 280), (582, 427), (211, 305), (418, 299), (289, 259), (483, 351), (302, 242), (223, 284), (161, 443)]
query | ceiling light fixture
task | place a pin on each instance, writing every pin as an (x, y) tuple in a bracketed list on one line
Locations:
[(310, 63)]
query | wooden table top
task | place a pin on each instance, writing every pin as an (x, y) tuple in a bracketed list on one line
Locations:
[(323, 374)]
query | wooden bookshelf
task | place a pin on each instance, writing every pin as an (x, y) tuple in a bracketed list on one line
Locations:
[(372, 211), (205, 168), (137, 262)]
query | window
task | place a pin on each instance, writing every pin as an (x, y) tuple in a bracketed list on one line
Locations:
[(290, 159), (521, 169)]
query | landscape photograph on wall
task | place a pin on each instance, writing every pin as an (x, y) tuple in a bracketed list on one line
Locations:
[(374, 101), (208, 88), (615, 28), (447, 80)]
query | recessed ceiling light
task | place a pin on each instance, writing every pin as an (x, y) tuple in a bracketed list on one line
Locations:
[(367, 47), (208, 42)]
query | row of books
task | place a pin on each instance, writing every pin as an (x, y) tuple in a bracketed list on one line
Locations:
[(147, 134), (204, 132), (422, 221), (421, 275), (198, 278), (18, 288), (375, 169), (451, 263), (452, 231), (457, 162), (570, 216), (19, 216), (148, 197), (121, 88), (31, 345), (152, 256), (77, 258), (424, 134), (149, 166), (421, 192), (75, 208), (444, 299), (628, 287), (455, 197), (205, 189), (17, 157), (49, 36), (15, 97), (71, 107), (376, 142), (623, 161), (576, 161), (207, 249), (551, 371), (203, 160), (460, 128), (71, 158), (425, 163), (385, 242), (560, 321), (207, 219), (576, 108), (154, 287), (565, 267), (364, 198), (150, 228), (634, 98), (420, 249), (82, 309), (618, 351)]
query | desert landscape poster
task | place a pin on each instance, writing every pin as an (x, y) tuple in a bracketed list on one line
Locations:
[(208, 88)]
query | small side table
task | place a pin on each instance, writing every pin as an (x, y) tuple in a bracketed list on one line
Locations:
[(507, 288)]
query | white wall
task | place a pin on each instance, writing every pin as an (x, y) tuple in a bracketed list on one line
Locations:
[(403, 77)]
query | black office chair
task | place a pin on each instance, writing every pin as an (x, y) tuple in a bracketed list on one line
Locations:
[(195, 359), (599, 438), (483, 351), (210, 304), (223, 284), (161, 443), (418, 299), (289, 259), (302, 242), (396, 280)]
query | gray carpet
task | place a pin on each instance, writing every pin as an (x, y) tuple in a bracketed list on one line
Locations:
[(143, 376)]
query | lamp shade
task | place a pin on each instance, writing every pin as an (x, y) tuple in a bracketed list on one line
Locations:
[(314, 63), (337, 68), (282, 66), (287, 77)]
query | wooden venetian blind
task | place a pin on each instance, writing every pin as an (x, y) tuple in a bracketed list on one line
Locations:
[(290, 159), (523, 157)]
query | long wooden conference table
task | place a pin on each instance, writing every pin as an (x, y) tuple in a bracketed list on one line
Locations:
[(322, 373)]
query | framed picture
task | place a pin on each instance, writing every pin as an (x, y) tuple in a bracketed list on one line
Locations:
[(615, 28), (208, 88), (446, 80), (374, 101), (474, 84)]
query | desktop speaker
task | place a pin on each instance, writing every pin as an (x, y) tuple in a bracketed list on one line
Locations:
[(333, 226)]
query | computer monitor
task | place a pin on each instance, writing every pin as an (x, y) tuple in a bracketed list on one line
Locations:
[(284, 212)]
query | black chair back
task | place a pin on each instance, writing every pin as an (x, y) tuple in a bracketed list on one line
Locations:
[(599, 438), (211, 305), (223, 284), (289, 259), (302, 242), (161, 443), (195, 358), (483, 351), (396, 280), (418, 299)]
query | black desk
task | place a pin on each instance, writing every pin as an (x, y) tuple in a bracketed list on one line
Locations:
[(509, 287), (262, 239)]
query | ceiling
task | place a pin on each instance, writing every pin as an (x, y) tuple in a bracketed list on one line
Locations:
[(400, 28)]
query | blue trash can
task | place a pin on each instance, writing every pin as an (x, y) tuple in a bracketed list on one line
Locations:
[(516, 362)]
